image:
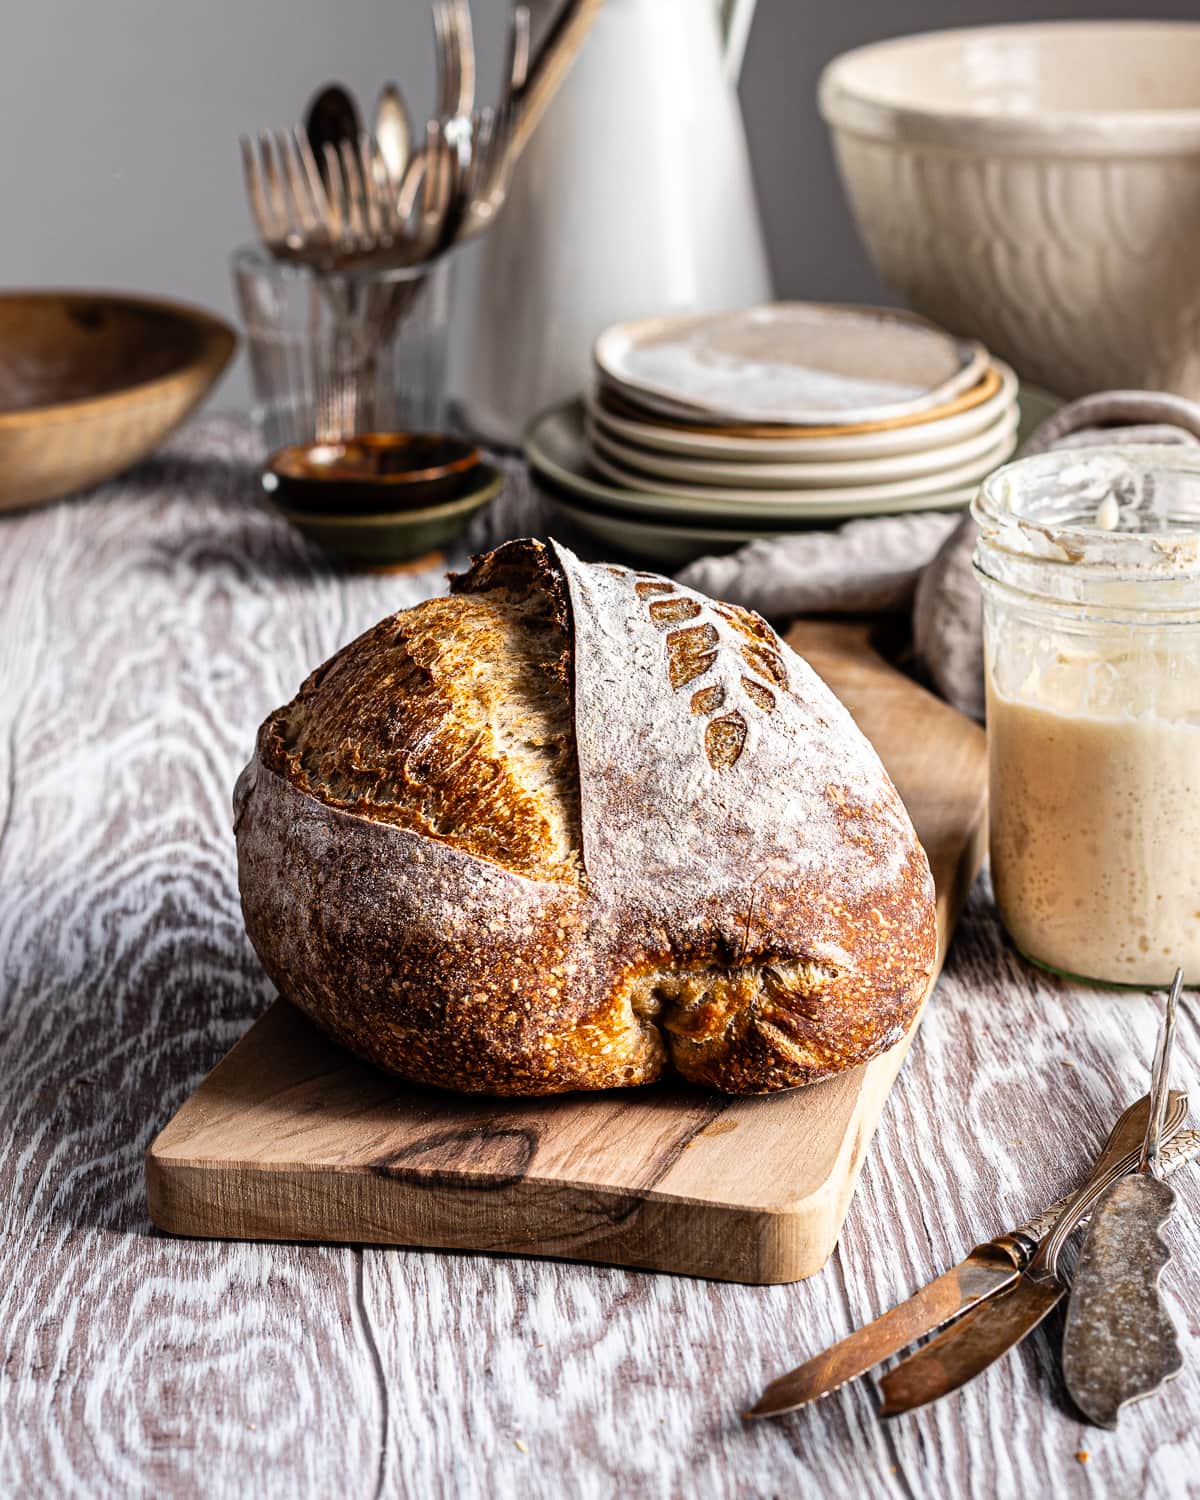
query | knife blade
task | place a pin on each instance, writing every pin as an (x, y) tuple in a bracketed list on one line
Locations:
[(988, 1331), (989, 1269)]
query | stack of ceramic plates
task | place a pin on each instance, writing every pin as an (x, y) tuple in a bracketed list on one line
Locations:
[(708, 431)]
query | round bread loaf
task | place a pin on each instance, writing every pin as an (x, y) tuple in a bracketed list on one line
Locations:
[(573, 827)]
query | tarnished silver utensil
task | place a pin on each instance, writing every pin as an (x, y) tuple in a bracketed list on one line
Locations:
[(331, 117), (393, 133), (989, 1269), (1119, 1343), (335, 196), (988, 1331)]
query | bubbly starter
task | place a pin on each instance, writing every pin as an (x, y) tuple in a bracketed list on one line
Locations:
[(1095, 812)]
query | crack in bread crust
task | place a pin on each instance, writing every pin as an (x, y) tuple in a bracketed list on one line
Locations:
[(468, 883)]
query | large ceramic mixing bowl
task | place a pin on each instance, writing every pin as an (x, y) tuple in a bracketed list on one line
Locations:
[(1037, 187)]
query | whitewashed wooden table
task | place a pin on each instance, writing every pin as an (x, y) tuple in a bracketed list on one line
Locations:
[(144, 632)]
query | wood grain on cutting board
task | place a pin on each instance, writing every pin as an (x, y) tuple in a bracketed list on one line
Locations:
[(291, 1138)]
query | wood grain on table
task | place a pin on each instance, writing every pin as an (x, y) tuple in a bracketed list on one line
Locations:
[(143, 635)]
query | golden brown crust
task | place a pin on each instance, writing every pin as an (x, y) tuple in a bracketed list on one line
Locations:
[(416, 871), (453, 720)]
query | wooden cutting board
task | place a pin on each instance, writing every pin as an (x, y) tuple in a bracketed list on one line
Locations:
[(291, 1138)]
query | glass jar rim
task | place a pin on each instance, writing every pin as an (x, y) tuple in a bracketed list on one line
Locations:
[(1051, 509), (1110, 528)]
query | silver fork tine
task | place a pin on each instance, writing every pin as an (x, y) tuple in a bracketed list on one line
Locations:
[(312, 176), (301, 207), (367, 156), (354, 191), (453, 24), (274, 187), (259, 207), (495, 175), (336, 188)]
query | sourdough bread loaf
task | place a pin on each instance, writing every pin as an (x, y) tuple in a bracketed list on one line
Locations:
[(573, 827)]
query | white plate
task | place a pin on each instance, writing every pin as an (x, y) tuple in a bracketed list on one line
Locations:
[(555, 450), (940, 432), (795, 362), (732, 502), (930, 466), (554, 446)]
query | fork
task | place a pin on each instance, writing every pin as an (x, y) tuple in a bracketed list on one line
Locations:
[(346, 209)]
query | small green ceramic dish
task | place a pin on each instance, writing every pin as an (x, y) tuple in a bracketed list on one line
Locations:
[(383, 540)]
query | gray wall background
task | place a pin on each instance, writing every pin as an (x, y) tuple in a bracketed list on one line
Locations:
[(120, 165)]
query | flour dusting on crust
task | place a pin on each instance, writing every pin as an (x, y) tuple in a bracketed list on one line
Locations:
[(669, 805)]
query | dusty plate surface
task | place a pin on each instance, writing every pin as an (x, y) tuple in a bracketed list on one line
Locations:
[(790, 362)]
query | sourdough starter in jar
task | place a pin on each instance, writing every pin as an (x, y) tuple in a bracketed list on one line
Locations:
[(1095, 826), (1090, 565)]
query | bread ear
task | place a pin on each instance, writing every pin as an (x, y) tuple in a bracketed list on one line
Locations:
[(518, 566)]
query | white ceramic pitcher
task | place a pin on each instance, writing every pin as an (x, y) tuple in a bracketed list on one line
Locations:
[(633, 198)]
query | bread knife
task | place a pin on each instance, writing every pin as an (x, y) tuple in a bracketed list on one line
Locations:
[(989, 1330), (989, 1269)]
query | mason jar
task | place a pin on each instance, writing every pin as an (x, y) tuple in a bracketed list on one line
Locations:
[(1089, 561)]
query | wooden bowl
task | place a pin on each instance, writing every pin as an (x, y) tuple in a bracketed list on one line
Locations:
[(91, 381), (372, 473)]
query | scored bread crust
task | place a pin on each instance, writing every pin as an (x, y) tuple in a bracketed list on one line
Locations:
[(576, 826)]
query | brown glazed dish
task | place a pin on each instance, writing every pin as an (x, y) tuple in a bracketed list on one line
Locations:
[(576, 826), (373, 472)]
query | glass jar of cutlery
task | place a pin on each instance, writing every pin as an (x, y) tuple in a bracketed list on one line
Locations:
[(338, 352)]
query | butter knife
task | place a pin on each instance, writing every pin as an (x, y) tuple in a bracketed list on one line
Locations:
[(988, 1331), (989, 1269)]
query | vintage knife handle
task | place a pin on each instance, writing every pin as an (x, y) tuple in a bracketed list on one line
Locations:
[(1172, 1154)]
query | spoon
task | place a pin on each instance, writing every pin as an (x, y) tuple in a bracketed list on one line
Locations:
[(393, 132), (1119, 1343), (332, 117)]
